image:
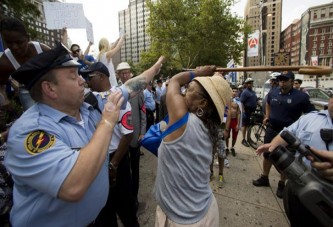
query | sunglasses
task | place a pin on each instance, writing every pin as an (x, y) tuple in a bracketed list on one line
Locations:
[(76, 51)]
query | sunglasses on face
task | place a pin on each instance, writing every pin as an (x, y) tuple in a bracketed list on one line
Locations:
[(76, 51)]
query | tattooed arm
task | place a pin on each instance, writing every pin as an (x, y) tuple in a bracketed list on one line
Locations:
[(137, 84)]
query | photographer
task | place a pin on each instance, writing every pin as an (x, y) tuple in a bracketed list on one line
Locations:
[(308, 129)]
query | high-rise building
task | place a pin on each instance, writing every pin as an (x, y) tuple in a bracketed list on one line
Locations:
[(133, 21), (265, 16)]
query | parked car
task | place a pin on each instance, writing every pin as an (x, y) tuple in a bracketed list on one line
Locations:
[(329, 90), (318, 97)]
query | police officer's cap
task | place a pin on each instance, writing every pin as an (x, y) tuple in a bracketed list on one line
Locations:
[(288, 75), (96, 67), (36, 67)]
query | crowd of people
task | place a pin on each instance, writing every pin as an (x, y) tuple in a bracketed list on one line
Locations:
[(74, 153)]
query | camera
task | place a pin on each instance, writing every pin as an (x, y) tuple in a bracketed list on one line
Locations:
[(314, 192)]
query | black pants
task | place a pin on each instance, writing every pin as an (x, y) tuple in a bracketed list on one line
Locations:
[(120, 200), (157, 119), (150, 118), (135, 170), (297, 213)]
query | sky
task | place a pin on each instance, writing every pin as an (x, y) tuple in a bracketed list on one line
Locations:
[(103, 14)]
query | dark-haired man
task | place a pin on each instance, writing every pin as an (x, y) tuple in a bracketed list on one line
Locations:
[(120, 200), (284, 106)]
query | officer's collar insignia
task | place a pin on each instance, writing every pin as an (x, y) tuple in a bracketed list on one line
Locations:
[(38, 141)]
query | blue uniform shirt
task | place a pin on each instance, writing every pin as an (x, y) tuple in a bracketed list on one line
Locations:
[(307, 129), (43, 147), (287, 108), (149, 100)]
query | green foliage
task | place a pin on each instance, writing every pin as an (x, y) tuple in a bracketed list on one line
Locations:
[(25, 10), (193, 32)]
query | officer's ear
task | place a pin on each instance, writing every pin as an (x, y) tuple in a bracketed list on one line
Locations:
[(49, 89)]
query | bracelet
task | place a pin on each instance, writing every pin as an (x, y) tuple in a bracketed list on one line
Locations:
[(191, 75), (108, 123)]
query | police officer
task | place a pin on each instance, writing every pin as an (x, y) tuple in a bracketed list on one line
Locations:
[(307, 128), (120, 200), (284, 106), (57, 150)]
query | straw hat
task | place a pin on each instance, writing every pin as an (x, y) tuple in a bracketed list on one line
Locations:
[(219, 91)]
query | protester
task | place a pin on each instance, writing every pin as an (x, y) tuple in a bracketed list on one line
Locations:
[(307, 128), (57, 150), (85, 59), (234, 121), (19, 50), (120, 200), (249, 100), (139, 129), (182, 188), (106, 52), (284, 106), (297, 85)]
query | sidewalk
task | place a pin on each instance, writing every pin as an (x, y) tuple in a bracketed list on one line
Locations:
[(240, 203)]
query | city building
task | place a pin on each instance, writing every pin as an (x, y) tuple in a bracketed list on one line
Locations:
[(133, 21), (265, 16), (290, 41), (317, 36)]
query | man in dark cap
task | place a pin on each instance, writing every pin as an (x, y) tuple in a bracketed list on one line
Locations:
[(120, 200), (57, 150), (283, 107)]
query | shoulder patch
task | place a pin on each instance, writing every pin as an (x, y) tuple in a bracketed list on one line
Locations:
[(38, 141)]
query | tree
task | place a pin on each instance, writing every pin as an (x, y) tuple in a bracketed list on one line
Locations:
[(24, 10), (194, 32)]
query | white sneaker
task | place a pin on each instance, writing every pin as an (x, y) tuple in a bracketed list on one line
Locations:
[(226, 163)]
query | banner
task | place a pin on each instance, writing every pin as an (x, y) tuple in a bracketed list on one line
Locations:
[(232, 76), (314, 60), (64, 15), (253, 44)]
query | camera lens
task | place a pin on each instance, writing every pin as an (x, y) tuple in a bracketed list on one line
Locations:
[(281, 158)]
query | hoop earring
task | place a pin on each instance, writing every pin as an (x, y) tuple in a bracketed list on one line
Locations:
[(200, 112)]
